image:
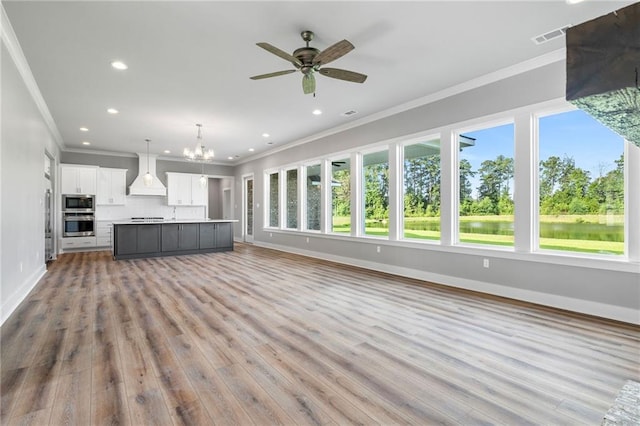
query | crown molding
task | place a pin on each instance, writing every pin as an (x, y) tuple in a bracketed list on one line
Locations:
[(17, 55), (513, 70)]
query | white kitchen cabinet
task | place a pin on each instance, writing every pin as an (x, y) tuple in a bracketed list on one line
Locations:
[(111, 186), (199, 194), (104, 232), (75, 179), (184, 189), (73, 243)]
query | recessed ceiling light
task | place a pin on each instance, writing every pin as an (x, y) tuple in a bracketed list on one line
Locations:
[(317, 112), (265, 135), (84, 129), (166, 151), (86, 143), (229, 158), (251, 149), (574, 1), (119, 65), (112, 111)]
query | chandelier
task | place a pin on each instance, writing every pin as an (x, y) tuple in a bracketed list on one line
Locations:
[(199, 153)]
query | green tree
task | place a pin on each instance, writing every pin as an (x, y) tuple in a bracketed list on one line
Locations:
[(341, 193), (466, 173), (376, 178), (495, 176)]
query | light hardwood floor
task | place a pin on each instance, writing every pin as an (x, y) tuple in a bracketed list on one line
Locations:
[(261, 337)]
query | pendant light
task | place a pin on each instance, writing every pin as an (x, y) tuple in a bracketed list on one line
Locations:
[(203, 178), (147, 178)]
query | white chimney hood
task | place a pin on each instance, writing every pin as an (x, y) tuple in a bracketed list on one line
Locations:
[(138, 187)]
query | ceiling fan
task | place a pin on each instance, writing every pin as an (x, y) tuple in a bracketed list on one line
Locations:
[(309, 60)]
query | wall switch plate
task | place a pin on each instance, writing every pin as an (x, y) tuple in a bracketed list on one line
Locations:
[(307, 240), (485, 263), (378, 249)]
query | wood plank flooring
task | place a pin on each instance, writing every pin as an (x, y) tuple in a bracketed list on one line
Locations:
[(257, 336)]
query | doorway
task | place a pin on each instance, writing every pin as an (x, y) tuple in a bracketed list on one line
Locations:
[(247, 208)]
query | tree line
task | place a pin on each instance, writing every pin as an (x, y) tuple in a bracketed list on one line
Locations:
[(564, 188)]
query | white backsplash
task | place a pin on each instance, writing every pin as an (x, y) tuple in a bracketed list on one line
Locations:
[(148, 206)]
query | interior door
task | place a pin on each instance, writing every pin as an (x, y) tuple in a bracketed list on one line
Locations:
[(247, 208)]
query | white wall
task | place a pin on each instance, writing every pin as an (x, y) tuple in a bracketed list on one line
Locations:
[(24, 138), (604, 288)]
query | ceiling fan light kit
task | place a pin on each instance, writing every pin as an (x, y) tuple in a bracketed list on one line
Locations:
[(309, 60)]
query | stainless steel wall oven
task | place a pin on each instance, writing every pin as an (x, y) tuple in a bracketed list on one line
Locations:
[(78, 213)]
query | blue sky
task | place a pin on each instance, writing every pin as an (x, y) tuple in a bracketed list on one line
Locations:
[(574, 134)]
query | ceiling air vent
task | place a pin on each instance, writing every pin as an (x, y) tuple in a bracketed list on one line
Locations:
[(543, 38), (348, 113)]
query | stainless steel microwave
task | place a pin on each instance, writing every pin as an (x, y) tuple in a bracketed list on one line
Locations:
[(78, 203)]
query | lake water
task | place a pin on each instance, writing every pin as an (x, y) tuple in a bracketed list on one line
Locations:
[(571, 231)]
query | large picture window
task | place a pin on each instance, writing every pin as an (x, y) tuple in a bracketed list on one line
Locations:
[(292, 198), (341, 195), (274, 205), (580, 185), (421, 170), (486, 186), (313, 197), (375, 179)]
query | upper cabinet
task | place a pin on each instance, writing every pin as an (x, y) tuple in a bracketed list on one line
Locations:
[(111, 186), (185, 189), (76, 179)]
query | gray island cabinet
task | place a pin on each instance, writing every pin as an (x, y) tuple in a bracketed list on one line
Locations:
[(133, 240)]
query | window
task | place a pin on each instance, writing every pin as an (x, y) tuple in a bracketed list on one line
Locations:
[(313, 197), (486, 186), (421, 169), (580, 185), (273, 208), (341, 195), (375, 179), (292, 198)]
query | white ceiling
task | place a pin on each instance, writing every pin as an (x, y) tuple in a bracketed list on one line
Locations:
[(190, 62)]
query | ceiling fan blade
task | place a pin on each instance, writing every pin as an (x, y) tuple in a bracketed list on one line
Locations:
[(333, 52), (271, 74), (308, 84), (354, 77), (281, 53)]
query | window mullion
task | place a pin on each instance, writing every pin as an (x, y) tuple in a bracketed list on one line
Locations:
[(448, 188), (357, 195), (524, 181), (632, 200)]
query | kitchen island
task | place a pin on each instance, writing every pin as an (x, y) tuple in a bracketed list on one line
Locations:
[(139, 239)]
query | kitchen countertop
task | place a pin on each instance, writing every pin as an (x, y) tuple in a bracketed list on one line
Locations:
[(152, 222)]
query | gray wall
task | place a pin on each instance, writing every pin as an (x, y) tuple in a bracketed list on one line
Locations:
[(600, 291), (24, 139)]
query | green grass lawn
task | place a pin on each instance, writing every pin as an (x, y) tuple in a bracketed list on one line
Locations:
[(342, 225)]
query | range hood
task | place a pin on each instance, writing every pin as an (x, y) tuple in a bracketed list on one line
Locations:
[(138, 187), (603, 67)]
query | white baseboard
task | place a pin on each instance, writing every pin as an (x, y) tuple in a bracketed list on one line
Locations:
[(21, 293), (598, 309)]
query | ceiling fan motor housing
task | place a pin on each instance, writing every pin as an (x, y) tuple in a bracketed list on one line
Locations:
[(306, 55)]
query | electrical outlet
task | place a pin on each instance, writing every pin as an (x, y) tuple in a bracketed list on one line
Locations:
[(270, 234), (485, 263), (378, 249), (307, 240)]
